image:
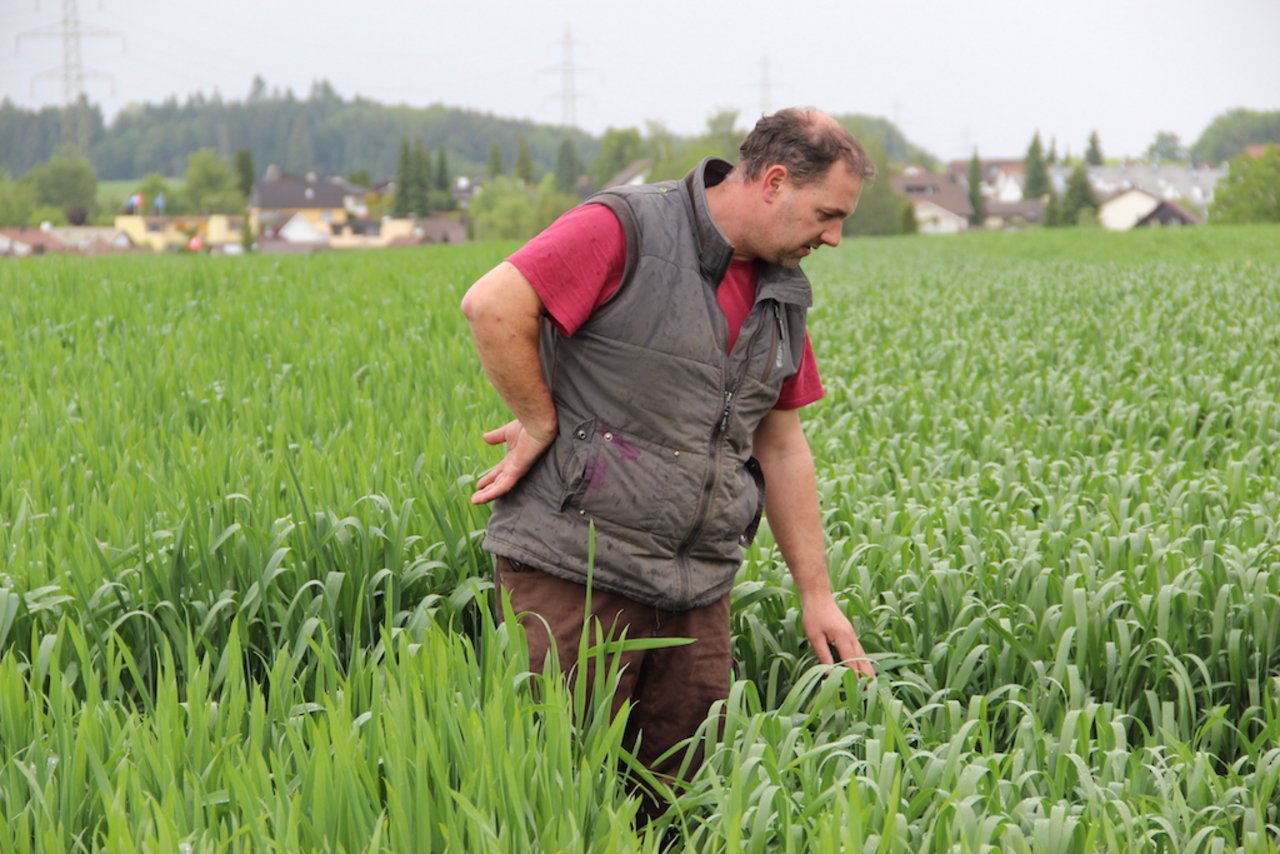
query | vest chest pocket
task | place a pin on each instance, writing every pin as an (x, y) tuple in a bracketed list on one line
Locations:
[(629, 482), (775, 364)]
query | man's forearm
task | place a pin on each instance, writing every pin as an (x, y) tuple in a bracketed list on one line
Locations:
[(791, 500), (503, 311), (791, 503)]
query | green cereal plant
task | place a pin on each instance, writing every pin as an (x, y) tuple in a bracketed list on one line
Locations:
[(244, 606)]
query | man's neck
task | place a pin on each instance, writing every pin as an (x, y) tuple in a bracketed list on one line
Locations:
[(727, 205)]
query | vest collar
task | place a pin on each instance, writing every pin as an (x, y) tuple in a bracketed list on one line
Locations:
[(785, 284), (714, 251)]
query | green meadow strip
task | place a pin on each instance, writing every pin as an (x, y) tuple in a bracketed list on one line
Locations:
[(243, 604)]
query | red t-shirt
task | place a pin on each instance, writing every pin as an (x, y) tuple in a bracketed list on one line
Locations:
[(576, 264)]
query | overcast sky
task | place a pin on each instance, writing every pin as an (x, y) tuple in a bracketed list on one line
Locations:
[(952, 75)]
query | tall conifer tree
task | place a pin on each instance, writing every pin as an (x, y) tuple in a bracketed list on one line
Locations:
[(404, 177), (244, 173), (442, 171), (1035, 179), (979, 214), (1078, 196), (568, 167), (524, 161), (495, 159), (1052, 216), (1094, 155), (420, 182)]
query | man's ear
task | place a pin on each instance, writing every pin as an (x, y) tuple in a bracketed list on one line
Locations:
[(773, 180)]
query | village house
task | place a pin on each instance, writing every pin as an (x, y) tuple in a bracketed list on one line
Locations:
[(1135, 208), (1014, 214), (92, 240), (465, 188), (297, 214), (941, 202), (328, 204), (24, 242), (80, 239), (1002, 179), (1187, 185), (439, 229), (1132, 195), (180, 233)]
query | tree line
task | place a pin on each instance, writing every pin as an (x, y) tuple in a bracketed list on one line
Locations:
[(323, 132), (64, 190), (151, 145), (532, 172), (522, 193), (329, 134)]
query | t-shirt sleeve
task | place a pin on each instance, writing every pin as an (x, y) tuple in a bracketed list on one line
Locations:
[(575, 264), (805, 386)]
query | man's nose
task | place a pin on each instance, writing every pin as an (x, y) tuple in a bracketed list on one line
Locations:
[(831, 236)]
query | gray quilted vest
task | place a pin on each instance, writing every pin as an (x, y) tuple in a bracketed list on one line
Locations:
[(655, 419)]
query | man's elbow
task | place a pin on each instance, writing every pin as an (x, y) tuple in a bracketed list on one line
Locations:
[(471, 303), (482, 304), (500, 295)]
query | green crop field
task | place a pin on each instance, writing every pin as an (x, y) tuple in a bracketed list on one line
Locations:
[(243, 604)]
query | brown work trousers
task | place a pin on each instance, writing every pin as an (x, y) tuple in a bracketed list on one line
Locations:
[(671, 689)]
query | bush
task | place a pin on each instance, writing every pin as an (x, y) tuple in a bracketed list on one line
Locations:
[(1251, 191), (17, 202), (64, 182), (47, 213)]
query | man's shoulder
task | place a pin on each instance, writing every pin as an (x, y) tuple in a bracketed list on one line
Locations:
[(637, 191), (592, 224), (636, 205)]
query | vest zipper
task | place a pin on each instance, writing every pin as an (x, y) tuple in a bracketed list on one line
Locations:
[(704, 500), (724, 416), (713, 475)]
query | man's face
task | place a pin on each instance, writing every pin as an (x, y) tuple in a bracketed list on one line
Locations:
[(807, 216)]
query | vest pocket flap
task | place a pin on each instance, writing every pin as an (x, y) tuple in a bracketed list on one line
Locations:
[(630, 482), (573, 448), (740, 503)]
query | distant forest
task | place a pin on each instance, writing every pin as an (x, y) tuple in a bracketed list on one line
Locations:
[(323, 133), (329, 135)]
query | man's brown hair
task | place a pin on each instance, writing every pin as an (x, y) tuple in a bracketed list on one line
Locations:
[(806, 142)]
